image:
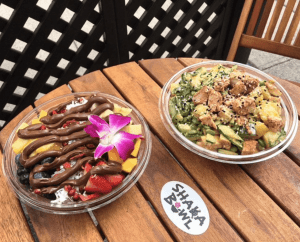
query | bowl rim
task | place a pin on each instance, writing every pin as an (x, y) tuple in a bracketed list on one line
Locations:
[(231, 159), (80, 207)]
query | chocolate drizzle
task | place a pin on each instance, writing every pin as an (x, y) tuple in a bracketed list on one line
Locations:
[(51, 130)]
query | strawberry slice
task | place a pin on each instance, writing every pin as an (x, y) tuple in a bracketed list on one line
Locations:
[(89, 197), (100, 163), (87, 168), (114, 180), (98, 184), (67, 165)]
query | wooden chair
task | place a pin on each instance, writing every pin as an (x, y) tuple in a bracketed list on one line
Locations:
[(255, 31)]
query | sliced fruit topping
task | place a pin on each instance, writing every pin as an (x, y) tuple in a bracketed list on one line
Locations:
[(88, 197), (98, 184), (87, 168), (101, 163), (67, 165), (113, 155), (129, 164), (136, 148), (68, 188), (114, 180)]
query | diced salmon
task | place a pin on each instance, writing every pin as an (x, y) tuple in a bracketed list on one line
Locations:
[(201, 96), (250, 83), (239, 89), (207, 120), (274, 123), (214, 100), (244, 105), (221, 84), (250, 147)]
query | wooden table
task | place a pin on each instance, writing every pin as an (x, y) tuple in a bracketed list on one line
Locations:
[(258, 202)]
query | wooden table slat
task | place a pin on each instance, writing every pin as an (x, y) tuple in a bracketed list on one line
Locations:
[(13, 223), (152, 181), (227, 185), (293, 151), (133, 206)]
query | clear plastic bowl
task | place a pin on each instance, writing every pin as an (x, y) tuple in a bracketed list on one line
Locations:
[(69, 207), (289, 112)]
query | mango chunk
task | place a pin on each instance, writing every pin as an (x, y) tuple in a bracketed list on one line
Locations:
[(129, 164), (19, 145), (122, 110), (23, 126), (261, 129), (106, 113), (51, 146), (113, 155), (43, 113), (36, 121), (136, 148), (133, 129)]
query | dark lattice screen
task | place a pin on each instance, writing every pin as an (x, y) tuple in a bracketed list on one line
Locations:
[(46, 43)]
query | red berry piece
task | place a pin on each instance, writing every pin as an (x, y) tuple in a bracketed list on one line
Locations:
[(98, 184), (37, 191), (72, 192), (77, 156), (101, 163), (63, 111), (67, 165), (43, 127), (89, 197), (68, 188), (65, 143), (54, 112), (76, 197), (114, 180)]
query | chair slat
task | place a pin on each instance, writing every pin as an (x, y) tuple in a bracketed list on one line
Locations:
[(264, 18), (293, 26), (274, 19), (297, 42), (270, 46), (285, 19), (254, 17)]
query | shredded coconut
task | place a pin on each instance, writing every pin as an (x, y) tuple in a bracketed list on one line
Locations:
[(74, 104), (61, 196)]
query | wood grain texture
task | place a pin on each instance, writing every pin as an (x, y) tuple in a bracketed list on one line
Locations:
[(254, 17), (67, 228), (49, 227), (245, 205), (293, 26), (94, 81), (124, 219), (293, 151), (55, 93), (280, 178), (130, 218), (6, 131), (13, 223)]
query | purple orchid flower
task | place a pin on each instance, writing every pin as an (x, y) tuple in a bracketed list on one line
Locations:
[(110, 136)]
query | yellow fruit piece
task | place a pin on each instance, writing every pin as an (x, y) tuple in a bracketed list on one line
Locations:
[(19, 145), (23, 126), (133, 129), (45, 148), (129, 164), (261, 129), (43, 113), (33, 154), (136, 148), (122, 110), (174, 86), (106, 113), (36, 121), (113, 155)]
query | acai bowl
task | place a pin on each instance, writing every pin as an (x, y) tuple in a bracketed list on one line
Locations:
[(49, 158)]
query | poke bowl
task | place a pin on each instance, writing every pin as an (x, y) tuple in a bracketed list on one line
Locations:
[(228, 112), (76, 153)]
